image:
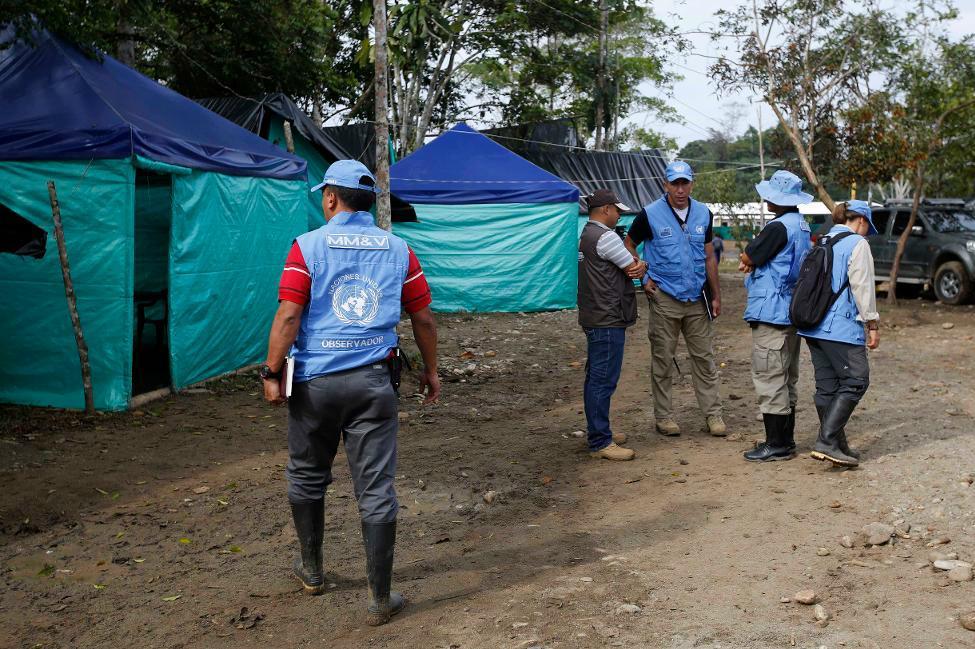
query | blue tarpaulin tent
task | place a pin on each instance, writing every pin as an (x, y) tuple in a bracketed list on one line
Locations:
[(171, 214), (494, 232)]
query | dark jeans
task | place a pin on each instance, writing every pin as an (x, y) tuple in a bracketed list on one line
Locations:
[(603, 366), (358, 407), (841, 370)]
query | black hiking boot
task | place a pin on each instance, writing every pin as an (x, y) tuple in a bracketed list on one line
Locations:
[(776, 445), (379, 539), (843, 444), (310, 526), (827, 446)]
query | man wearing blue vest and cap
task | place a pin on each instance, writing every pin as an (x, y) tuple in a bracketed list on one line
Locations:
[(773, 259), (682, 285), (341, 294)]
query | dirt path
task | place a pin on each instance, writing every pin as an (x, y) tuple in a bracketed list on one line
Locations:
[(157, 528)]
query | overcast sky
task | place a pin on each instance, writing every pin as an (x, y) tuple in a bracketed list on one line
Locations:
[(694, 96)]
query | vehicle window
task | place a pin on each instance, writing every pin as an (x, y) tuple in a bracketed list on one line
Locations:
[(955, 221), (900, 222), (880, 219)]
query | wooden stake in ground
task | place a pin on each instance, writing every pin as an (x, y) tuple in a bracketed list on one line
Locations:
[(383, 212), (79, 335)]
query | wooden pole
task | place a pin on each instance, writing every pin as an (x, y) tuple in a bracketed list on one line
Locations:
[(383, 212), (289, 140), (79, 335), (601, 75)]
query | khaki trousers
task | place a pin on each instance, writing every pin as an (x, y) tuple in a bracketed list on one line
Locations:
[(775, 368), (670, 318)]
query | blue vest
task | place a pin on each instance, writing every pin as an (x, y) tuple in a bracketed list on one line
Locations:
[(357, 273), (840, 323), (675, 256), (770, 286)]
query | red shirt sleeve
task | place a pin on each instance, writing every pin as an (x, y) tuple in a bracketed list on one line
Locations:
[(416, 291), (295, 283)]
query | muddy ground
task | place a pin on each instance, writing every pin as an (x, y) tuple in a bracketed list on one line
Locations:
[(169, 527)]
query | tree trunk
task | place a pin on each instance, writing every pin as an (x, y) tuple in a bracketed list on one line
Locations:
[(79, 336), (383, 215), (601, 75), (289, 140), (902, 241), (316, 111), (804, 160)]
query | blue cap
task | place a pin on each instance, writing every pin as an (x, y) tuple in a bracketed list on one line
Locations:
[(863, 209), (679, 169), (348, 173), (783, 188)]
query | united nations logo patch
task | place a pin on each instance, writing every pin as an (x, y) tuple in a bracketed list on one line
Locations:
[(355, 299)]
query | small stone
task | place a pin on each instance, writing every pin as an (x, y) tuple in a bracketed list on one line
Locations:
[(785, 600), (951, 564), (628, 609), (683, 462), (490, 354), (961, 573), (403, 416), (822, 552), (941, 540), (587, 580), (968, 620), (948, 325), (878, 533), (489, 496), (519, 625), (820, 613), (201, 490), (806, 597), (578, 433), (846, 542), (936, 555)]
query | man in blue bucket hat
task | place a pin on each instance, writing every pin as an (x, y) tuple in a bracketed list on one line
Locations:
[(340, 298), (681, 283), (772, 261)]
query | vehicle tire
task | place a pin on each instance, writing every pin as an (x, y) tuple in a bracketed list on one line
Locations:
[(952, 285)]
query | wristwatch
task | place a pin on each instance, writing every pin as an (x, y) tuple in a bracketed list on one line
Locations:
[(267, 374), (873, 325)]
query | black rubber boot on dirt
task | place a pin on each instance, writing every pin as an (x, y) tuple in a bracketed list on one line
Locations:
[(843, 444), (310, 526), (776, 445), (827, 446), (789, 438), (379, 539)]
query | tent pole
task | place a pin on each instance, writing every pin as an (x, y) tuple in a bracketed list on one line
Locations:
[(79, 335)]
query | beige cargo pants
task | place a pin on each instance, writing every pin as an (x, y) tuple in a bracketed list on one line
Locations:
[(670, 318), (775, 368)]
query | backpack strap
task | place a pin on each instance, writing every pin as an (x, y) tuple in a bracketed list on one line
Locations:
[(832, 241)]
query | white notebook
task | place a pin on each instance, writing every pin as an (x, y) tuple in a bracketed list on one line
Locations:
[(289, 375)]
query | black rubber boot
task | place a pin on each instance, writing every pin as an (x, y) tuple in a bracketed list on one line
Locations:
[(310, 526), (843, 444), (789, 438), (776, 444), (827, 446), (379, 539)]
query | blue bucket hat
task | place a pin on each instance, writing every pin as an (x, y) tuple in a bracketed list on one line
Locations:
[(348, 173), (679, 169), (783, 188), (863, 209)]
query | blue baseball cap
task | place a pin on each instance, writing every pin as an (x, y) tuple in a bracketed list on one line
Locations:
[(348, 173), (783, 188), (679, 169), (863, 209)]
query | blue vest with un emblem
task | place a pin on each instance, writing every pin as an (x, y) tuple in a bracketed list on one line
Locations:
[(840, 323), (357, 273), (770, 286), (675, 256)]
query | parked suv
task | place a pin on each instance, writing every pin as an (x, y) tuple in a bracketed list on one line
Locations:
[(940, 249)]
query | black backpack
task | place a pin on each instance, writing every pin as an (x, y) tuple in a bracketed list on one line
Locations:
[(813, 295)]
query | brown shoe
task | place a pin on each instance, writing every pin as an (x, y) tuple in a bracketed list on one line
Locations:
[(614, 452), (667, 427), (716, 426), (619, 438)]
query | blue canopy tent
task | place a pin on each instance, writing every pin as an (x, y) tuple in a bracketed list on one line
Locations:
[(176, 223), (494, 232)]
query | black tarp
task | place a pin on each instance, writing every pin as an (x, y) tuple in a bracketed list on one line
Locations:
[(334, 143), (636, 177)]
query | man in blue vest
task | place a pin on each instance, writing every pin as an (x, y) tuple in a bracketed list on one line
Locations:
[(341, 294), (773, 259), (682, 285)]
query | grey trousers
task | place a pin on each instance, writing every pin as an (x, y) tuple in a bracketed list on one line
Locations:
[(841, 370), (775, 367), (360, 407)]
